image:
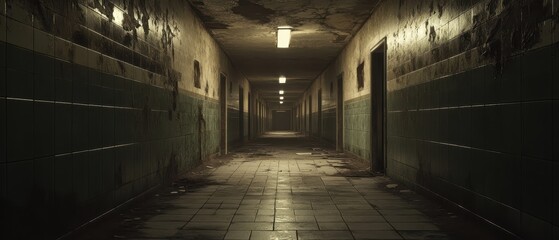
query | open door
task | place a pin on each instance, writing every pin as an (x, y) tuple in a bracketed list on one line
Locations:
[(223, 112), (378, 107)]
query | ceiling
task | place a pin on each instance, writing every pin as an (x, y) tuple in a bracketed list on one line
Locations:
[(246, 29)]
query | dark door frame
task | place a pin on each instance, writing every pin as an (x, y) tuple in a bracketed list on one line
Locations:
[(378, 106), (241, 114), (310, 115), (340, 114), (250, 130), (319, 109), (223, 110), (305, 117)]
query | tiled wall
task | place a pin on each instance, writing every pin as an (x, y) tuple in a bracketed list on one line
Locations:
[(472, 104), (84, 141), (95, 111), (357, 118), (484, 138)]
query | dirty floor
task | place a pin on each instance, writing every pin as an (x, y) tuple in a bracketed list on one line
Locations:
[(285, 186)]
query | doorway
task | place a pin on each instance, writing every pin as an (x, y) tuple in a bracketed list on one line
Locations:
[(310, 116), (340, 114), (305, 123), (223, 111), (378, 107), (249, 116), (319, 109), (241, 114)]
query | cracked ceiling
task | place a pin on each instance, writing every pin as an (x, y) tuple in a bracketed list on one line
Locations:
[(246, 29)]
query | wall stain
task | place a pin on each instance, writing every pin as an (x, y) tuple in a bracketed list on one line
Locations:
[(105, 7), (145, 17), (201, 132), (209, 21), (129, 21), (492, 45), (440, 8), (44, 16), (491, 7), (173, 78), (253, 11), (127, 41), (432, 34), (79, 37), (168, 34)]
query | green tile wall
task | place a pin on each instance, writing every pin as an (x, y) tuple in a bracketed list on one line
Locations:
[(80, 142), (357, 117), (484, 139)]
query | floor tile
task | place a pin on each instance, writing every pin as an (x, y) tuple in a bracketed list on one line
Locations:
[(296, 226), (360, 226), (237, 235), (332, 226), (286, 196), (251, 226), (325, 235), (376, 235), (267, 235)]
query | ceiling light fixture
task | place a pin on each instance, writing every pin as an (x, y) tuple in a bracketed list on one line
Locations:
[(284, 36), (282, 79), (281, 102), (281, 92), (281, 98)]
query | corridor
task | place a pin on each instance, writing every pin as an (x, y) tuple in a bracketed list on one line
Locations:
[(273, 119), (286, 186)]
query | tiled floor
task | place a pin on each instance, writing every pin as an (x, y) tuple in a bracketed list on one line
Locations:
[(286, 187)]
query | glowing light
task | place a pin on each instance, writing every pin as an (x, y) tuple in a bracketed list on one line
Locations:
[(282, 79), (281, 92), (284, 36), (281, 102), (281, 98)]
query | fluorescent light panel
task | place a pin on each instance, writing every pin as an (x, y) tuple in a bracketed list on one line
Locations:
[(281, 98), (281, 92), (284, 37), (281, 102), (282, 79)]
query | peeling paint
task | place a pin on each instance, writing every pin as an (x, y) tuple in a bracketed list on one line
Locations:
[(105, 7)]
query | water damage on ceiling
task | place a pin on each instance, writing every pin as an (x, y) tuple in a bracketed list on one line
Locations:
[(246, 29)]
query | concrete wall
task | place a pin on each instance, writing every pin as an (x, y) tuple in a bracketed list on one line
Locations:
[(473, 100), (98, 104)]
